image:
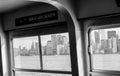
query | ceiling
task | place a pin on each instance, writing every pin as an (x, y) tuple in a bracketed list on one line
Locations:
[(6, 5)]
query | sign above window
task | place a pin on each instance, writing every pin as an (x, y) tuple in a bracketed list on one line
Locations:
[(43, 17)]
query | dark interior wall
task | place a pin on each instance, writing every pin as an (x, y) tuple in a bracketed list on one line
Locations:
[(3, 50), (71, 5), (35, 8), (90, 8), (9, 17)]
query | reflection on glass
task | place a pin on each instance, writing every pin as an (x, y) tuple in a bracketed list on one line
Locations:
[(105, 48), (39, 74), (26, 52), (56, 52)]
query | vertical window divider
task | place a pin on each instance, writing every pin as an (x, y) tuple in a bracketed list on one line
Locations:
[(40, 50), (89, 51), (1, 65), (13, 73), (12, 53)]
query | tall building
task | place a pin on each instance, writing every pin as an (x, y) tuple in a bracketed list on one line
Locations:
[(49, 48), (118, 45), (54, 42), (112, 37), (111, 34), (66, 45), (103, 34), (114, 42), (104, 44), (32, 46), (97, 37), (59, 39), (36, 48), (110, 44), (65, 40)]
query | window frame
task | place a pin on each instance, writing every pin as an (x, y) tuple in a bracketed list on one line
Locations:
[(91, 69), (1, 60), (21, 33)]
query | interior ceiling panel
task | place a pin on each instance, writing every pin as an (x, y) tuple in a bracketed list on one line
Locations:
[(6, 5)]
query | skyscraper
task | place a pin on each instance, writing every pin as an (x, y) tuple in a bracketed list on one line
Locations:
[(54, 43), (59, 39), (112, 37), (49, 47), (97, 37), (111, 34)]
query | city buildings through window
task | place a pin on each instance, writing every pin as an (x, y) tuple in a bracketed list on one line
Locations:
[(42, 55), (105, 49)]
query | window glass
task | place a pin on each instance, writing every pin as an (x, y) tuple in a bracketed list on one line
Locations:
[(105, 48), (39, 74), (56, 52), (26, 52)]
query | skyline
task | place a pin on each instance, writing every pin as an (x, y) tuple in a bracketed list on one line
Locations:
[(27, 41), (105, 41), (103, 33)]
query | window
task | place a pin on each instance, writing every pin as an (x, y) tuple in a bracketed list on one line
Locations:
[(105, 49), (42, 52), (56, 52), (26, 52), (49, 52)]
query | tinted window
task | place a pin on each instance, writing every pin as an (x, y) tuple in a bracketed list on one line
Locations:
[(26, 52), (105, 48), (56, 52)]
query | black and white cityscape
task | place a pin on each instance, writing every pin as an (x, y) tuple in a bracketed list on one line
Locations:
[(56, 45), (105, 42)]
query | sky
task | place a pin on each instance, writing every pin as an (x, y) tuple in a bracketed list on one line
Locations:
[(26, 41)]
